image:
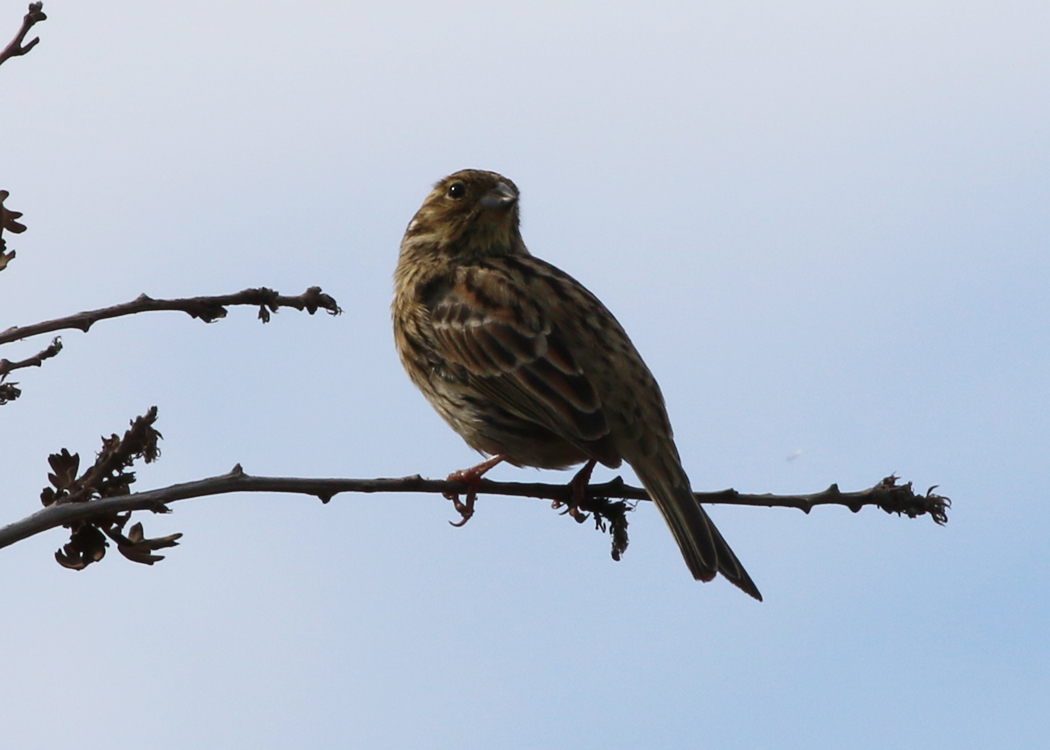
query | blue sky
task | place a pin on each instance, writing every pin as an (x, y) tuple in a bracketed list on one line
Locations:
[(825, 226)]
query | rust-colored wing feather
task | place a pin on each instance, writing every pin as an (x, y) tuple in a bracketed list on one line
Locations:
[(516, 357)]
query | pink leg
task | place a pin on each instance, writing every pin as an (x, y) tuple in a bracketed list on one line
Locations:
[(471, 477), (579, 490), (581, 480)]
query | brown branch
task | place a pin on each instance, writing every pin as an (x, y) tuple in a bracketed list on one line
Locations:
[(208, 309), (887, 494), (7, 366), (16, 48), (10, 391)]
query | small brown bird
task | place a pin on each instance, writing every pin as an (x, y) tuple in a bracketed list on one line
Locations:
[(530, 367)]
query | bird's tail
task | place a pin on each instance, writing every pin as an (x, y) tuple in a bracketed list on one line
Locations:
[(705, 551)]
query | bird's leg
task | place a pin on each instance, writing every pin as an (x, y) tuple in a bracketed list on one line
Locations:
[(471, 477), (579, 490)]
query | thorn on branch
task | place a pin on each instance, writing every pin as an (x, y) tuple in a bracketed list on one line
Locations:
[(205, 309)]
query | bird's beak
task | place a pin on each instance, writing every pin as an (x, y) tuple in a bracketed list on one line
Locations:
[(501, 196)]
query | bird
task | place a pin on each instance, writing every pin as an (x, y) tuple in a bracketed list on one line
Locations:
[(528, 366)]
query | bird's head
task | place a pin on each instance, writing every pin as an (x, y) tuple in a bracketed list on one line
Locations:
[(469, 213)]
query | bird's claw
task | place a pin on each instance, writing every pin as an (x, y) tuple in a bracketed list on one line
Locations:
[(471, 477), (465, 509), (577, 493)]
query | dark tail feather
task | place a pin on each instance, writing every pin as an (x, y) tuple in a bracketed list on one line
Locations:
[(705, 551), (728, 564)]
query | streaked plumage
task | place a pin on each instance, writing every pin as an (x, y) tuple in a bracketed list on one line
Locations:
[(523, 362)]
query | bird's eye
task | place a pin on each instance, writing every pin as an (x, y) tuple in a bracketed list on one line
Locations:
[(457, 190)]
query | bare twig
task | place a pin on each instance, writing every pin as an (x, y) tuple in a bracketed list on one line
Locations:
[(208, 309), (16, 48), (11, 391), (887, 494), (7, 366)]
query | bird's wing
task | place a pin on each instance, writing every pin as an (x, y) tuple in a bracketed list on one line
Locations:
[(514, 354)]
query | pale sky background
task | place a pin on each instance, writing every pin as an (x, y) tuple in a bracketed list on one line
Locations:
[(825, 226)]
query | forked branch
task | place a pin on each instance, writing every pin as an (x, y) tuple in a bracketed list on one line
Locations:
[(208, 309), (16, 48)]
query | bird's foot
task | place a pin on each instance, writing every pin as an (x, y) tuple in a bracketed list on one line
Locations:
[(471, 477), (578, 487)]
